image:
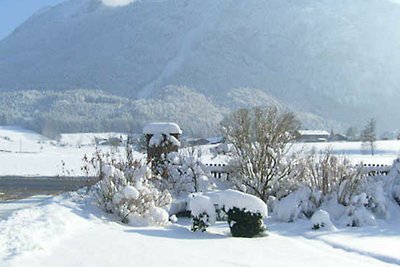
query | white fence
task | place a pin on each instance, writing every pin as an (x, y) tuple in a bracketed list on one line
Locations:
[(221, 171), (376, 169)]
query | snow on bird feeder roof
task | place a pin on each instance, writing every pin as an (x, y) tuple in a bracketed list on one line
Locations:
[(162, 128)]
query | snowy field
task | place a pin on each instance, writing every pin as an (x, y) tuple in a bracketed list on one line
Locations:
[(385, 152), (26, 153), (70, 231)]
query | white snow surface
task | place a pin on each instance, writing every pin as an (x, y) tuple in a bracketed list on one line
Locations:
[(232, 198), (117, 3), (162, 128), (70, 231)]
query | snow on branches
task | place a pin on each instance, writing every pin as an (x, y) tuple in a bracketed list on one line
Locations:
[(131, 196)]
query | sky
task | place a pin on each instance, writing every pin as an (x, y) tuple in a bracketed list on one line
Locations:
[(14, 12)]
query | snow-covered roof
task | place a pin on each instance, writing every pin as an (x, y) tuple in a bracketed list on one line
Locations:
[(162, 128), (313, 132)]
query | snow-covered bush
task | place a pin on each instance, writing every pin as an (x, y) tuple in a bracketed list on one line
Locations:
[(244, 223), (186, 173), (374, 188), (392, 184), (321, 219), (357, 213), (244, 212), (228, 199), (202, 211), (322, 178), (300, 204), (131, 196)]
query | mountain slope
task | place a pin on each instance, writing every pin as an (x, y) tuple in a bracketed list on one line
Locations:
[(337, 59)]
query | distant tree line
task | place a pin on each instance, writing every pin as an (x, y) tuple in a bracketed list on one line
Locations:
[(51, 112)]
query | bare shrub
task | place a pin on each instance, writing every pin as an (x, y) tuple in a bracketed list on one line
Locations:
[(331, 174)]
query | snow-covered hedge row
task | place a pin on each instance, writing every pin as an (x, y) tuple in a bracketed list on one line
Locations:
[(374, 198), (343, 190)]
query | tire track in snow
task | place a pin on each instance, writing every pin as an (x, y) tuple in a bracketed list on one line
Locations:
[(376, 256)]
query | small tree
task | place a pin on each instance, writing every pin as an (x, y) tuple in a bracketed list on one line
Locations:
[(260, 138), (368, 136)]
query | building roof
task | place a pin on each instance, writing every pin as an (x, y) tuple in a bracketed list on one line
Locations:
[(313, 132), (162, 128)]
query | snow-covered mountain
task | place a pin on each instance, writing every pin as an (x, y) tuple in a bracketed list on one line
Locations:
[(335, 58)]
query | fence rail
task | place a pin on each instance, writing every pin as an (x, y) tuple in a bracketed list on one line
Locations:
[(221, 171)]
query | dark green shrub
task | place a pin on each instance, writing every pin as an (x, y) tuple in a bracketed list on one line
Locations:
[(245, 223), (318, 226), (200, 222)]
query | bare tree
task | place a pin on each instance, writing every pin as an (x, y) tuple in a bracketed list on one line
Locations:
[(368, 136), (260, 138)]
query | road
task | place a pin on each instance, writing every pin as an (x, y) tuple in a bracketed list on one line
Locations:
[(12, 187)]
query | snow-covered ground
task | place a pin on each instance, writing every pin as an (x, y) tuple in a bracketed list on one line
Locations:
[(26, 153), (70, 231), (8, 207)]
